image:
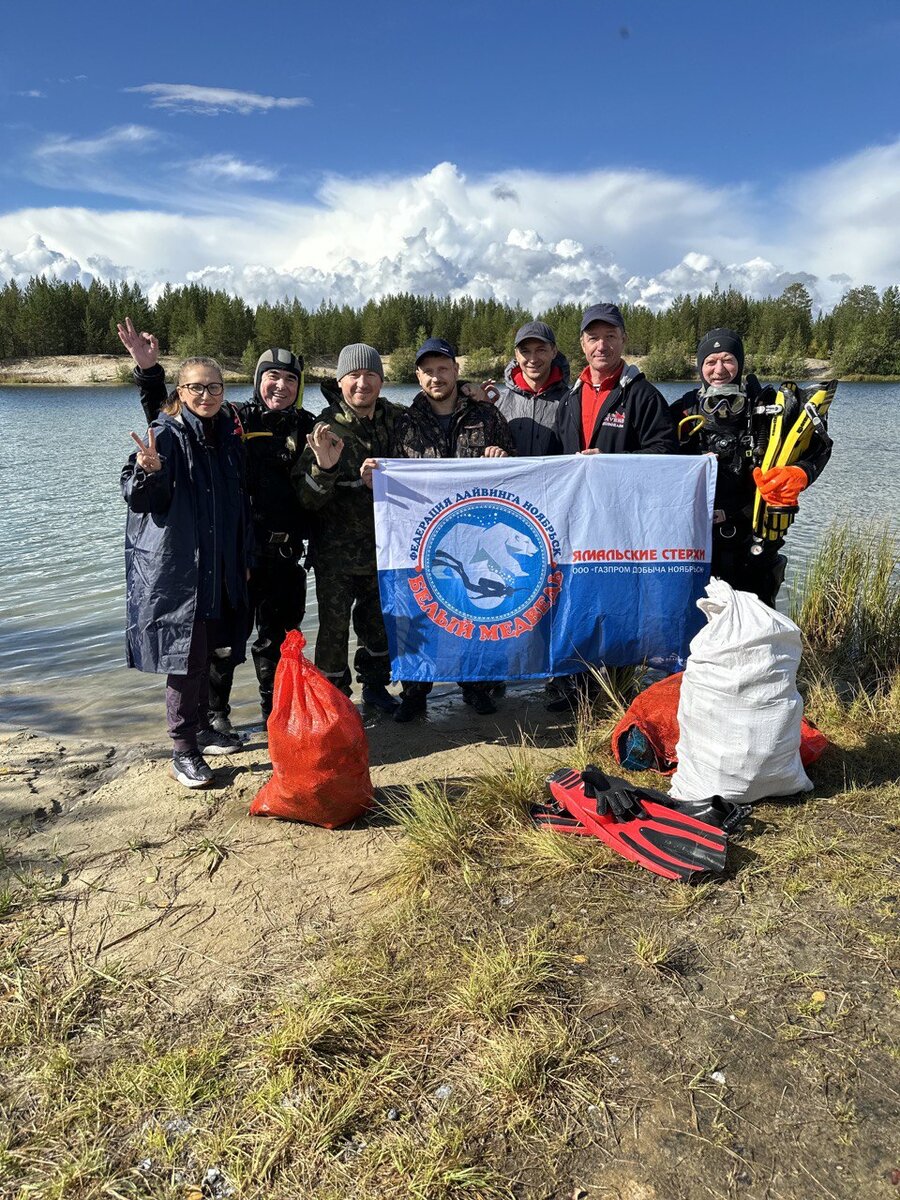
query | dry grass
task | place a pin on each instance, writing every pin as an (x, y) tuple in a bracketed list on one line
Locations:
[(524, 1022), (848, 605), (501, 979)]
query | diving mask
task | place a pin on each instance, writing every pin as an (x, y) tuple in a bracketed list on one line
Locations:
[(729, 401)]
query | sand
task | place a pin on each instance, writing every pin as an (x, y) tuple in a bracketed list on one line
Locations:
[(184, 883)]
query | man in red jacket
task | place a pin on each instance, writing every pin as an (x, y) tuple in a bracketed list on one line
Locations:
[(612, 408)]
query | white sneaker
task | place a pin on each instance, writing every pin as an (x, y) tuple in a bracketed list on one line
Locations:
[(190, 769)]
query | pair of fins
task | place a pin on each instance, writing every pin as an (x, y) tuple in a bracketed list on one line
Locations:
[(799, 413), (677, 839)]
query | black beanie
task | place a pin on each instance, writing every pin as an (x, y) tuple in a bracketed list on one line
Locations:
[(721, 341), (277, 360)]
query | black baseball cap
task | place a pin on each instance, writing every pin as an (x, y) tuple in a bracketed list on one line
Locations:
[(435, 346), (609, 313), (535, 329)]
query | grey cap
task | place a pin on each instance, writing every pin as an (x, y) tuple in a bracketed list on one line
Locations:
[(535, 329), (359, 357)]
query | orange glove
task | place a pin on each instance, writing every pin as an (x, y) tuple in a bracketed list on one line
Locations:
[(780, 486)]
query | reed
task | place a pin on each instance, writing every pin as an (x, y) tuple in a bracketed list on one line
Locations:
[(847, 604)]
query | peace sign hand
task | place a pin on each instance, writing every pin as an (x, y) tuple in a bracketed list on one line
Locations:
[(147, 457), (143, 347)]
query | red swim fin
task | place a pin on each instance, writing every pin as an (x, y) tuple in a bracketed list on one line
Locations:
[(664, 841), (551, 816)]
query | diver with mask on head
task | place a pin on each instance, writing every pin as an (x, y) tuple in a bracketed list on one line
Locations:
[(770, 444)]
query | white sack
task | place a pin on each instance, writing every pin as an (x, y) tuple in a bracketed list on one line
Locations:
[(739, 712)]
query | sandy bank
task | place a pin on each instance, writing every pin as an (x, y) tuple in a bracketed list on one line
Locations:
[(186, 883), (110, 370)]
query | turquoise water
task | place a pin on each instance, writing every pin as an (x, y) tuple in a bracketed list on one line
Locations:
[(61, 564)]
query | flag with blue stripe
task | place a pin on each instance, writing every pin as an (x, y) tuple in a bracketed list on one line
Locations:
[(506, 568)]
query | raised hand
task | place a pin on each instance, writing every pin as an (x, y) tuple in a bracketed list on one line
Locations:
[(143, 347), (475, 392), (147, 456), (325, 445)]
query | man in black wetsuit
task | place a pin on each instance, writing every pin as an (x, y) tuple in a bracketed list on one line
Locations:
[(274, 429), (725, 417)]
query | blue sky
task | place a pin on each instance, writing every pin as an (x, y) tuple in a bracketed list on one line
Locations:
[(532, 151)]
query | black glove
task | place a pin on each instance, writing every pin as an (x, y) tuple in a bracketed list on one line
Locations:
[(622, 805)]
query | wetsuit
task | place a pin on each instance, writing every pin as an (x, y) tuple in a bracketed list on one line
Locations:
[(738, 441)]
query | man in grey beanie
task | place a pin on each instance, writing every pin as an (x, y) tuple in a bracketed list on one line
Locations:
[(334, 479)]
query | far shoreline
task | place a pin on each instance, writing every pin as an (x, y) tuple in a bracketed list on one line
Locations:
[(114, 370)]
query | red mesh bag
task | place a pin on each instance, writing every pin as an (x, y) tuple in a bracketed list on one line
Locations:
[(320, 756), (655, 713)]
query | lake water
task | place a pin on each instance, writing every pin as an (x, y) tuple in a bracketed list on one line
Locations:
[(61, 546)]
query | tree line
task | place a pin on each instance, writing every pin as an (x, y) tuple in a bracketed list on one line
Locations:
[(860, 335)]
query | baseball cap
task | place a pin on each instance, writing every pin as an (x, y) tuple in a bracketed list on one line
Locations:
[(435, 346), (602, 312), (535, 329)]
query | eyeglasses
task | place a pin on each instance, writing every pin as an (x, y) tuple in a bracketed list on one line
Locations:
[(197, 389)]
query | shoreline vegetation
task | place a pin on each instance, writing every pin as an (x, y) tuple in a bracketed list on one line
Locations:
[(441, 1002), (114, 370)]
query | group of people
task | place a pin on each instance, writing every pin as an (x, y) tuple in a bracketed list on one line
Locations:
[(229, 502)]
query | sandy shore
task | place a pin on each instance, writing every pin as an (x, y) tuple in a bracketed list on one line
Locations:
[(110, 370), (114, 370), (77, 370), (157, 875)]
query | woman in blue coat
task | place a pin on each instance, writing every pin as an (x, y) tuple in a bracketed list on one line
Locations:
[(186, 550)]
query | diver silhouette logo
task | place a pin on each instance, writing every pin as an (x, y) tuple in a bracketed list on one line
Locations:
[(485, 560)]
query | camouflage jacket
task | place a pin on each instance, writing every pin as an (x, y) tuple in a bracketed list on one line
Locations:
[(343, 533), (473, 427)]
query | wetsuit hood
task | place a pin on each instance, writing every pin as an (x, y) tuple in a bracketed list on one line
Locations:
[(721, 341)]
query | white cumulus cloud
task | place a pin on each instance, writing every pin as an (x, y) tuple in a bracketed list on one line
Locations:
[(525, 236), (210, 101)]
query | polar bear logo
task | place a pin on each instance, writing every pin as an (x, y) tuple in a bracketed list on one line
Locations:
[(484, 560)]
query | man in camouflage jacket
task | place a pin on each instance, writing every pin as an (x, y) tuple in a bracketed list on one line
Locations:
[(333, 478)]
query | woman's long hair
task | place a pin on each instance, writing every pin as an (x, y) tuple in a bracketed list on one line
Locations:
[(173, 405)]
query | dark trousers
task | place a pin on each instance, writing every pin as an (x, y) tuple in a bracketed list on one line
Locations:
[(762, 574), (340, 598), (421, 690), (277, 590), (187, 696)]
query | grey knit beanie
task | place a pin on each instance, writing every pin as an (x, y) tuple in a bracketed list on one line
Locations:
[(359, 357)]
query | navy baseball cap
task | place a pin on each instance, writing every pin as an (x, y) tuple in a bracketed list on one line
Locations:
[(535, 329), (609, 313), (435, 346)]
